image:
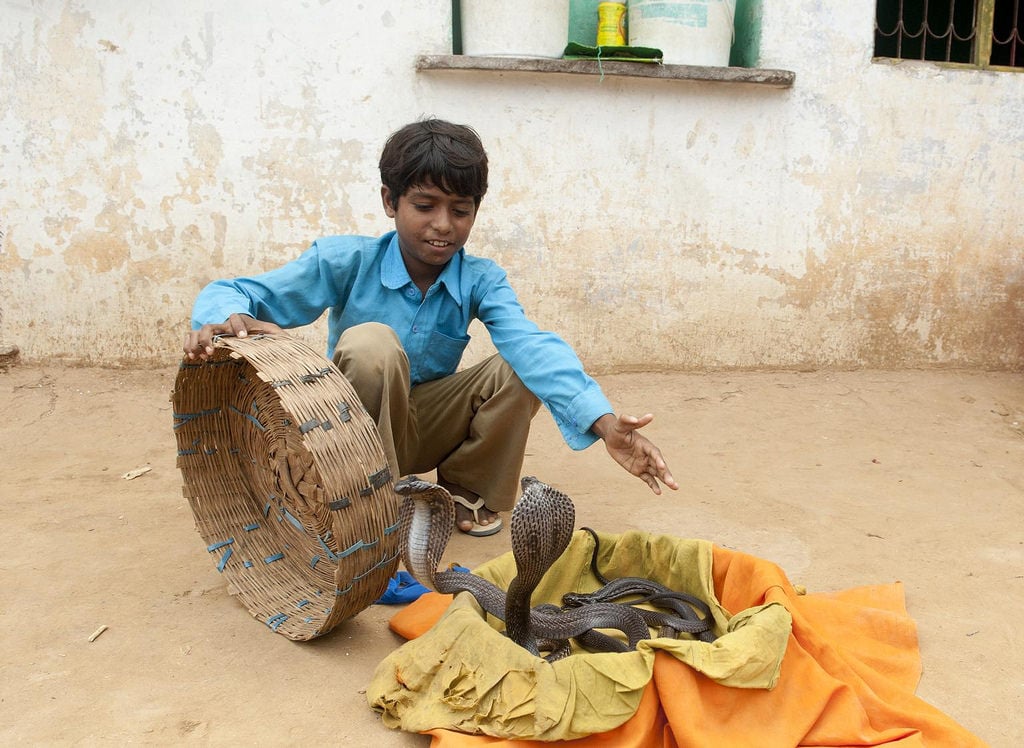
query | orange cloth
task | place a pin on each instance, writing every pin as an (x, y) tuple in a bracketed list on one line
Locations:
[(848, 677)]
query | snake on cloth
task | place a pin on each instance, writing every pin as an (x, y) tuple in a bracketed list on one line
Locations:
[(541, 528), (688, 614)]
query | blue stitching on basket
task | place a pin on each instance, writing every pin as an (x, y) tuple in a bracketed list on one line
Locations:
[(252, 418), (272, 559), (330, 554), (390, 529), (313, 561), (291, 518), (186, 452), (224, 560), (302, 604), (266, 509), (381, 477), (358, 545), (275, 621), (339, 593), (351, 549), (382, 562), (221, 544), (186, 417), (251, 527), (195, 443), (247, 564), (201, 364), (307, 378)]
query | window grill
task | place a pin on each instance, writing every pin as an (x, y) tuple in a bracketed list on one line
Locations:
[(1007, 42), (982, 33)]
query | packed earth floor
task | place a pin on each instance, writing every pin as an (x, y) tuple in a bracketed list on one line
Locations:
[(842, 478)]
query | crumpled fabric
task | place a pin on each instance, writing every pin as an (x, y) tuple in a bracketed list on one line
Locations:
[(463, 674), (848, 677)]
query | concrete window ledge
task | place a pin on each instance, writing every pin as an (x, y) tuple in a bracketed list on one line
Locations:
[(758, 76)]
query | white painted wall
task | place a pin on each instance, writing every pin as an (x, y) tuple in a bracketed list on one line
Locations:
[(869, 216)]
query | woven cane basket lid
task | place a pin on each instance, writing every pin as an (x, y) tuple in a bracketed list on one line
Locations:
[(288, 482)]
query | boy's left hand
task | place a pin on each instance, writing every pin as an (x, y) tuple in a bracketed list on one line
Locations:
[(634, 451)]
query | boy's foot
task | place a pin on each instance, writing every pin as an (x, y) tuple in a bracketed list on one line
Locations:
[(471, 515)]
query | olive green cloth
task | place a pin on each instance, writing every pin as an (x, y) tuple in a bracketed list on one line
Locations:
[(575, 51), (464, 675)]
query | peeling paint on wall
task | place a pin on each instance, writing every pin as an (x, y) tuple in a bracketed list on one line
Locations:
[(865, 217)]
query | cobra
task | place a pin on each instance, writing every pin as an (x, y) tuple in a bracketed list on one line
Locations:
[(541, 528)]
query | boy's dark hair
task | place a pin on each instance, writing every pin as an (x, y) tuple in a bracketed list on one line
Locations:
[(432, 151)]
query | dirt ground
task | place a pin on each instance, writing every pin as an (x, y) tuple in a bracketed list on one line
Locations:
[(842, 478)]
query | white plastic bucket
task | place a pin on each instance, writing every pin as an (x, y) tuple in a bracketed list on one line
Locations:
[(524, 28), (687, 33)]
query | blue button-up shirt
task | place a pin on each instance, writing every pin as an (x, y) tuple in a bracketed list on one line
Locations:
[(364, 279)]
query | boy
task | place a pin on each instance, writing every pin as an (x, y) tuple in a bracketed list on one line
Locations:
[(400, 306)]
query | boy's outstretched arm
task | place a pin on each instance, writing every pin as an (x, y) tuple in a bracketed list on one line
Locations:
[(200, 342), (634, 451)]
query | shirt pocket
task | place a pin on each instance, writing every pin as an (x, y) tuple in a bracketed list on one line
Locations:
[(442, 356)]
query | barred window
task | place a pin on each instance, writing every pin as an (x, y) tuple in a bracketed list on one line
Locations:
[(980, 33)]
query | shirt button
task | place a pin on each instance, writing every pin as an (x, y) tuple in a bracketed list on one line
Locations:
[(411, 293)]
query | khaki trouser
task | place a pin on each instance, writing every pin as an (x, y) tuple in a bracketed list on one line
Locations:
[(471, 426)]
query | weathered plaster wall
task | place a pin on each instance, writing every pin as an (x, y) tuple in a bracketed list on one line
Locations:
[(869, 216)]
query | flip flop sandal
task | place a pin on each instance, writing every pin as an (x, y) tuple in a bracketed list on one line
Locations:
[(478, 530)]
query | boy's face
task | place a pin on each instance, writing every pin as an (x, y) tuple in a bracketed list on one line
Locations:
[(432, 226)]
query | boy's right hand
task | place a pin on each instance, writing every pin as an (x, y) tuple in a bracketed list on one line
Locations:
[(199, 343)]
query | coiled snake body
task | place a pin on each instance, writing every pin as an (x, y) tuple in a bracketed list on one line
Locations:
[(689, 614), (541, 528)]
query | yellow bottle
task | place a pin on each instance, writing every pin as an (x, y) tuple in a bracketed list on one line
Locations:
[(611, 25)]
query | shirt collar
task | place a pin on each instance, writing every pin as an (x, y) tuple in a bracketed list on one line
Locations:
[(394, 275)]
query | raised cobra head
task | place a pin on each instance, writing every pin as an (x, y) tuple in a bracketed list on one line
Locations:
[(426, 518), (542, 523)]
